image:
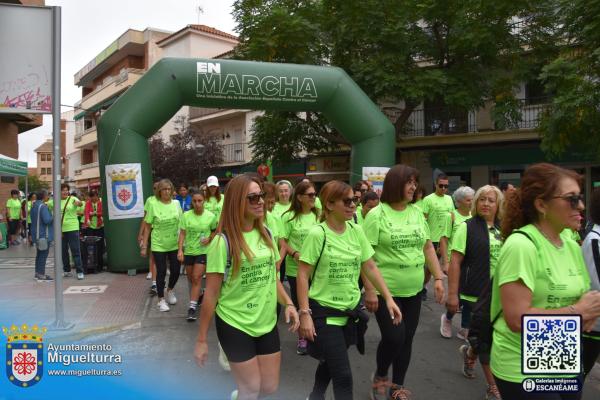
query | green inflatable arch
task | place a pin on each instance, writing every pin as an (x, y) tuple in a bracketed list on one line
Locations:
[(123, 131)]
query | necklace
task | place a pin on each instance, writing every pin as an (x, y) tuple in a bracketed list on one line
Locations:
[(558, 246)]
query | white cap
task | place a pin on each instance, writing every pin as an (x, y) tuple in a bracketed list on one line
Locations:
[(212, 181)]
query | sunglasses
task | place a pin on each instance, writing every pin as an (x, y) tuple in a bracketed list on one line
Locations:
[(573, 199), (443, 186), (310, 195), (356, 199), (348, 202), (255, 198)]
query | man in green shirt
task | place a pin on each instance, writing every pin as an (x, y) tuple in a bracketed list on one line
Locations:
[(69, 206), (13, 216)]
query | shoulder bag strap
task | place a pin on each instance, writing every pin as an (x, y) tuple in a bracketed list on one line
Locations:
[(596, 254), (65, 210), (38, 222), (320, 253)]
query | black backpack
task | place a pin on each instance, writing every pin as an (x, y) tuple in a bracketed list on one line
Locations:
[(482, 326)]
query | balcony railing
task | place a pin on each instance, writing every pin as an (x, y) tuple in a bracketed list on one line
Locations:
[(234, 152), (446, 121), (84, 167), (197, 112)]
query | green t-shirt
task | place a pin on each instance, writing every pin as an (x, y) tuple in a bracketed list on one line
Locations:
[(71, 219), (419, 204), (459, 244), (359, 218), (50, 204), (214, 206), (273, 222), (279, 209), (196, 228), (570, 234), (556, 277), (164, 219), (294, 232), (248, 298), (335, 282), (437, 209), (453, 226), (318, 204), (398, 238), (149, 201), (14, 208), (29, 204)]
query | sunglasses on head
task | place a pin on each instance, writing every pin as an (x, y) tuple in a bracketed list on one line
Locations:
[(255, 198), (573, 199)]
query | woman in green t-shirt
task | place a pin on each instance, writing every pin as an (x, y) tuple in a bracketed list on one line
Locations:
[(69, 204), (163, 217), (400, 236), (470, 271), (243, 289), (196, 230), (284, 192), (334, 255), (13, 216), (296, 223), (538, 272), (213, 200)]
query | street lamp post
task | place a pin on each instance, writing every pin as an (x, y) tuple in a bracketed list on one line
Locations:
[(200, 151)]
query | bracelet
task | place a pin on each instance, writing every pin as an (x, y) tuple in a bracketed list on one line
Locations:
[(307, 311), (572, 309), (290, 305), (294, 254)]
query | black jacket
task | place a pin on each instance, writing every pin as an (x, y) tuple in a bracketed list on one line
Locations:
[(475, 268)]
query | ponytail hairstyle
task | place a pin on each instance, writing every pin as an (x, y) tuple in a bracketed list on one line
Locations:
[(232, 216), (331, 192), (540, 181), (295, 205)]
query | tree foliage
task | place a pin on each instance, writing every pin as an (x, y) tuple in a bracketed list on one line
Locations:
[(178, 158), (34, 184), (573, 120), (456, 54)]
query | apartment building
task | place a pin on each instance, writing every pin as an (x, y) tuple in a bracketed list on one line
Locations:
[(103, 80), (11, 125)]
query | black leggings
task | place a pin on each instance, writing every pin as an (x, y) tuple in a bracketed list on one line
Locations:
[(160, 258), (395, 346), (335, 366), (514, 390), (590, 350)]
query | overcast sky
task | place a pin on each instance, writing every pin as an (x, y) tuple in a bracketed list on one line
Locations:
[(89, 26)]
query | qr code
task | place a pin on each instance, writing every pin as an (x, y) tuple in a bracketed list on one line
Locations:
[(551, 344)]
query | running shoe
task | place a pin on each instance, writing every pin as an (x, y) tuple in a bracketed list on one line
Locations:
[(43, 278), (398, 392), (492, 393), (80, 275), (379, 387), (162, 305), (67, 274), (149, 276), (191, 315), (153, 290), (302, 348), (445, 327), (171, 299), (234, 395), (468, 367), (463, 333), (223, 361)]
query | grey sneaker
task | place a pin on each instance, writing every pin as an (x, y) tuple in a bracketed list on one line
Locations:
[(43, 278), (468, 367), (191, 314), (379, 387), (68, 274)]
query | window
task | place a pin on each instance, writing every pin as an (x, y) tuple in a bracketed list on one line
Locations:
[(43, 156), (48, 171), (7, 179), (48, 157), (43, 171)]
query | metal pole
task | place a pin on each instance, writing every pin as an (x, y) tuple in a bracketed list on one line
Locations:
[(26, 204), (59, 323)]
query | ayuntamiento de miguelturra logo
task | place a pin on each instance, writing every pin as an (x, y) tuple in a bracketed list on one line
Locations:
[(24, 354)]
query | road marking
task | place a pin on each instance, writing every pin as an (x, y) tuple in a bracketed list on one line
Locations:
[(97, 289)]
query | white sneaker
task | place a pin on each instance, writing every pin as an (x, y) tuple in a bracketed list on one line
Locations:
[(463, 333), (445, 327), (149, 276), (223, 360), (162, 305), (234, 395), (80, 275), (171, 299)]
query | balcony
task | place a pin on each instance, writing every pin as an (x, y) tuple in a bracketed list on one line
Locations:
[(87, 138), (235, 153), (110, 87), (197, 112), (87, 171), (445, 121)]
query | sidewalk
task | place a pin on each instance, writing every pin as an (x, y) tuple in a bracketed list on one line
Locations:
[(98, 303)]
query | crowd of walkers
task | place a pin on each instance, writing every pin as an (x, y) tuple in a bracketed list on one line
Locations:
[(490, 255)]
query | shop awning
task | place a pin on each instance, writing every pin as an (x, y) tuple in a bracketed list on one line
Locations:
[(11, 167)]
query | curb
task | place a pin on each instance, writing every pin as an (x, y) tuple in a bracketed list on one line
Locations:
[(84, 333)]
